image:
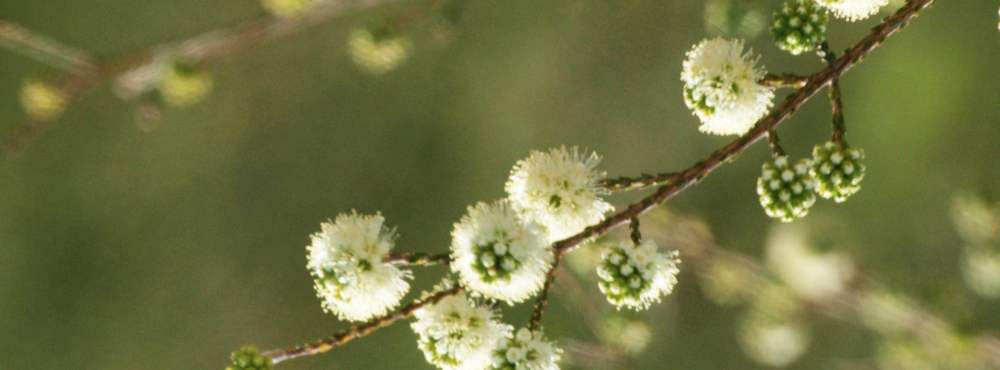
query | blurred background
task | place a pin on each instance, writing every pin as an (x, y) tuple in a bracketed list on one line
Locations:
[(139, 236)]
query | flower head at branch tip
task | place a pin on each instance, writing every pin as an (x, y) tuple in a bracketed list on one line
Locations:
[(497, 255), (786, 191), (800, 26), (526, 350), (42, 101), (347, 261), (559, 189), (636, 276), (838, 170), (721, 87), (248, 358), (183, 84), (853, 10), (455, 334), (378, 49), (287, 8)]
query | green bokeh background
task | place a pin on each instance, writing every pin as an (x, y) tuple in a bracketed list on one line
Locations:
[(126, 249)]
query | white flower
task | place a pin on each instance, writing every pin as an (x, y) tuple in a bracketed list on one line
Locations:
[(636, 276), (853, 10), (527, 350), (559, 189), (454, 334), (346, 259), (498, 256), (721, 87), (981, 270)]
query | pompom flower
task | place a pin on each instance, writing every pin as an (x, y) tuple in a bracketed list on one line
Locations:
[(527, 350), (498, 256), (183, 85), (853, 10), (347, 261), (721, 87), (636, 276), (455, 334), (42, 101), (377, 49), (286, 8), (559, 190)]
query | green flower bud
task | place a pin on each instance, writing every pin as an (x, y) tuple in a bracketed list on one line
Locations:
[(248, 358), (800, 26), (786, 192), (838, 170), (183, 85)]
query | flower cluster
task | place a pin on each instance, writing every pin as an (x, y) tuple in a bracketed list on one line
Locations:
[(838, 170), (800, 26), (347, 262), (456, 334), (248, 358), (786, 191), (559, 190), (526, 350), (721, 86), (377, 49), (636, 276), (497, 255)]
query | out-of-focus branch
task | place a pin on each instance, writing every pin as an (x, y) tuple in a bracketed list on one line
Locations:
[(201, 49), (692, 238), (44, 49)]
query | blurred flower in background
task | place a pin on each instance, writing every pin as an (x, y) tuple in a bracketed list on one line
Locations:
[(978, 224), (811, 275), (42, 101), (377, 49), (734, 18)]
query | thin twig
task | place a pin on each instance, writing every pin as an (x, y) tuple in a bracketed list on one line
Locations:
[(635, 234), (417, 259), (355, 332), (645, 180), (784, 80), (836, 101), (774, 143), (543, 298)]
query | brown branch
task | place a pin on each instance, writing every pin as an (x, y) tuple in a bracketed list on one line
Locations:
[(355, 332), (643, 181), (784, 80), (543, 298), (418, 259), (836, 101)]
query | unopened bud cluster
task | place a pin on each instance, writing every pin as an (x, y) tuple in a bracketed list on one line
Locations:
[(838, 170), (800, 26), (786, 191), (248, 358)]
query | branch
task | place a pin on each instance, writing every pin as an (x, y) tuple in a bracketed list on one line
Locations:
[(418, 259), (44, 49), (358, 331), (675, 183), (543, 298), (692, 175), (784, 80), (643, 181)]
